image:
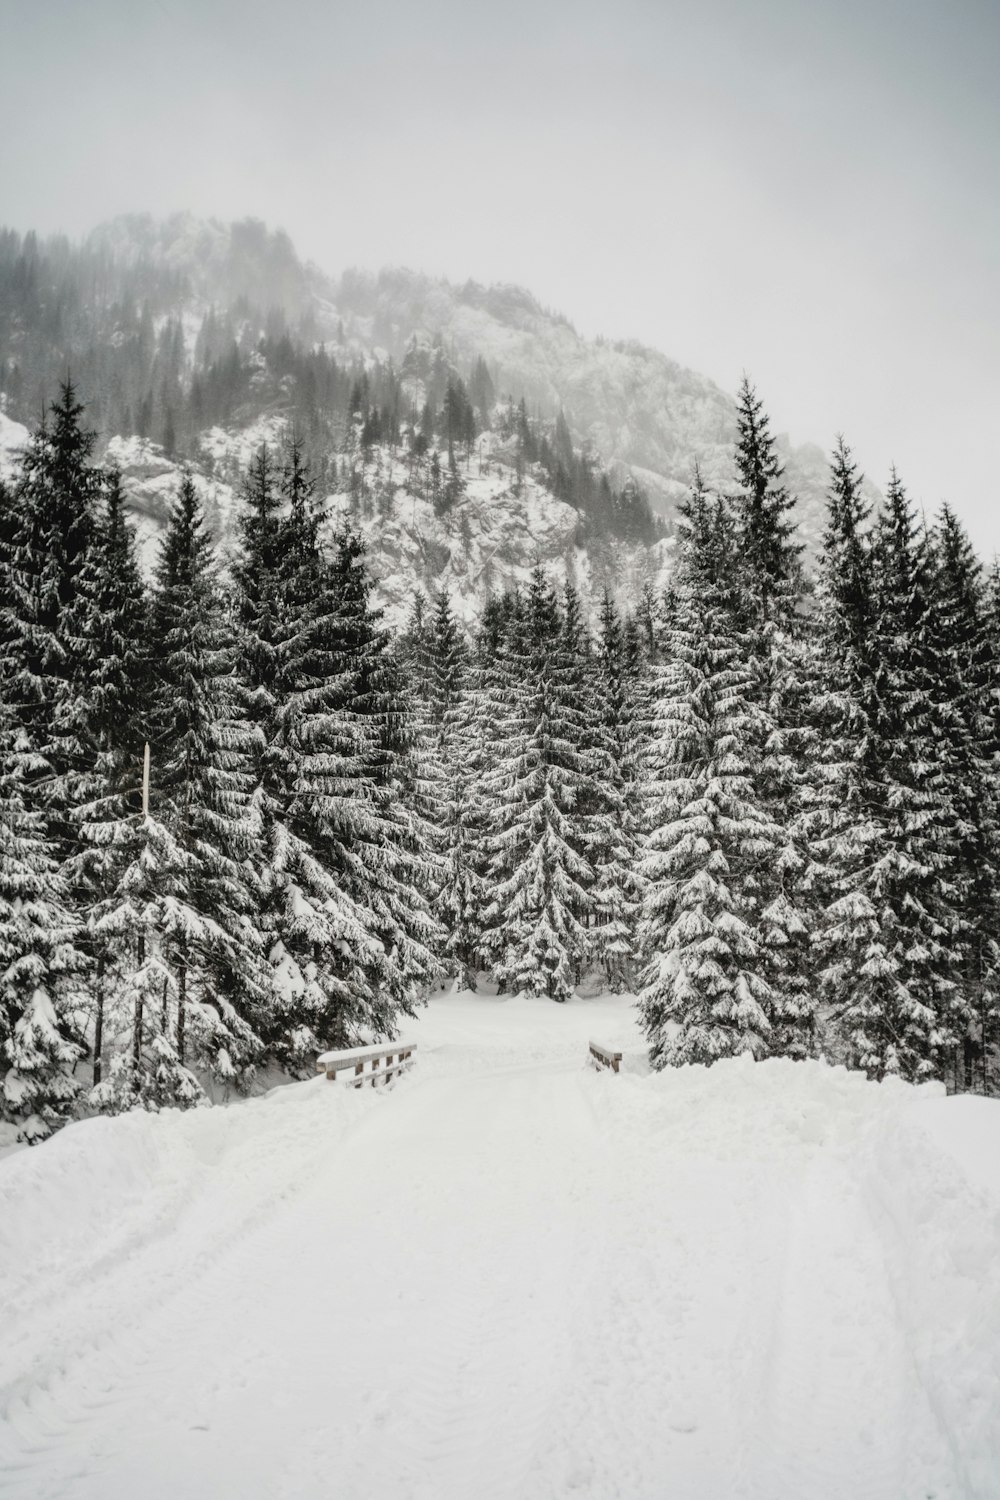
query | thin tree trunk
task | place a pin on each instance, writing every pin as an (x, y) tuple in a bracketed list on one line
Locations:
[(181, 1010), (137, 1025), (99, 1021)]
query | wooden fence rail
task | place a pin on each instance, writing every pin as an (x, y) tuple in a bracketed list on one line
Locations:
[(349, 1065), (604, 1057)]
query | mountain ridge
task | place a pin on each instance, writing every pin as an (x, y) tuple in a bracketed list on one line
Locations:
[(195, 339), (640, 410)]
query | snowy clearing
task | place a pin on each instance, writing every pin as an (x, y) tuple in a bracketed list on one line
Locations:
[(508, 1275)]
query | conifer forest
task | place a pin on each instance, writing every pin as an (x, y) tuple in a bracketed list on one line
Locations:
[(765, 802)]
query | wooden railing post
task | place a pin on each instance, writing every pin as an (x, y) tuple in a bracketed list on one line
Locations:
[(385, 1062), (604, 1057)]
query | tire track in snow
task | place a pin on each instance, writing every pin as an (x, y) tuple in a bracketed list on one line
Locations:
[(838, 1388), (71, 1431), (98, 1352), (531, 1283), (469, 1395)]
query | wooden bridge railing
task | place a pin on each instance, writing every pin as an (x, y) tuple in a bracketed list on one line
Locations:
[(382, 1064), (604, 1057)]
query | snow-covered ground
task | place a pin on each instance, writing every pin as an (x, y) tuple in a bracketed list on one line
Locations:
[(511, 1276)]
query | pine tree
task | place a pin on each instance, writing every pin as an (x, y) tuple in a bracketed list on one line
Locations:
[(347, 924), (389, 853), (766, 612), (41, 993), (537, 845), (707, 989), (458, 814), (178, 920), (203, 747), (764, 526), (45, 671), (888, 931), (116, 668), (614, 850), (963, 685), (258, 573), (114, 688)]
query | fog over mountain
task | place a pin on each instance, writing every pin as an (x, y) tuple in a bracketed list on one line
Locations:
[(192, 341)]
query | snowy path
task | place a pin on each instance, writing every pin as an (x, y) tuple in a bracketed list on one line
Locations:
[(505, 1277)]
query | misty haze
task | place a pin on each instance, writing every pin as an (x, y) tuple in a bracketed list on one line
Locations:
[(499, 751)]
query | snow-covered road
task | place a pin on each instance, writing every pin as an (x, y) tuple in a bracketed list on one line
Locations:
[(508, 1276)]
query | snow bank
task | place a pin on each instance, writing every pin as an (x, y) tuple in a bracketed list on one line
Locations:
[(773, 1280), (102, 1188), (935, 1186)]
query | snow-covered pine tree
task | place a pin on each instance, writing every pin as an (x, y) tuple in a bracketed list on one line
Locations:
[(55, 499), (348, 928), (767, 613), (770, 556), (113, 687), (538, 843), (174, 912), (965, 678), (349, 716), (458, 814), (42, 1002), (617, 887), (840, 798), (425, 790), (707, 989), (887, 934), (116, 668), (259, 573), (202, 793), (274, 577)]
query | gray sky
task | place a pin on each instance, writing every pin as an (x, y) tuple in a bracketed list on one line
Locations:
[(809, 191)]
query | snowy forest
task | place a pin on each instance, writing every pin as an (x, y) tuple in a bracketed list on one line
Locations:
[(766, 802), (157, 361)]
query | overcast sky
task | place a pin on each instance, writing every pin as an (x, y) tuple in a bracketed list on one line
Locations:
[(808, 191)]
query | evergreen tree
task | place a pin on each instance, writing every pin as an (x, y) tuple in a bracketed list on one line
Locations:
[(116, 668), (41, 994), (967, 756), (537, 848), (348, 928), (707, 989), (618, 887), (202, 747), (888, 932), (458, 813), (45, 671), (764, 526), (767, 557), (114, 687), (177, 923)]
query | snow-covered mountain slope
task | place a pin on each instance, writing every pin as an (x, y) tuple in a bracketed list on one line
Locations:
[(508, 1276), (151, 480), (498, 530), (501, 528), (195, 341), (216, 264), (637, 409)]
